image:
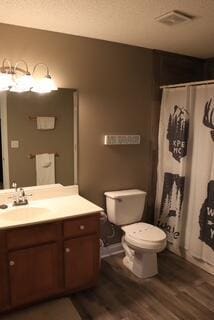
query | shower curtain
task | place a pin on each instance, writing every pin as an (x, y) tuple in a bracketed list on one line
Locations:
[(185, 184)]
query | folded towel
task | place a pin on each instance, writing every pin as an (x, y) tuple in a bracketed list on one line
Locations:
[(45, 123), (45, 169)]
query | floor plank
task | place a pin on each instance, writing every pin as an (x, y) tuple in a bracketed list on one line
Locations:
[(180, 291)]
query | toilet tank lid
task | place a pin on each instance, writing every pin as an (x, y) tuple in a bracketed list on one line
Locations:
[(124, 193)]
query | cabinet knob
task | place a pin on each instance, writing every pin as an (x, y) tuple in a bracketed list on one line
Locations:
[(67, 250), (11, 263), (82, 227)]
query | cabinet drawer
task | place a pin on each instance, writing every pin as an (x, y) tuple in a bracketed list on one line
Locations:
[(81, 226), (33, 235)]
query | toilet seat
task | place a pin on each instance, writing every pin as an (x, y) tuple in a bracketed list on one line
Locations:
[(145, 236)]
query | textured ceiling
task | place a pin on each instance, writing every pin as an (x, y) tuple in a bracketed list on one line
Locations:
[(126, 21)]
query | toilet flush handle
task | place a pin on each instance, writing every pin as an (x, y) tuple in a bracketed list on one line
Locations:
[(117, 198)]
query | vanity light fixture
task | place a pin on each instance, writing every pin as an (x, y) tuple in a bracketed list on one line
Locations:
[(44, 84), (16, 79), (6, 75)]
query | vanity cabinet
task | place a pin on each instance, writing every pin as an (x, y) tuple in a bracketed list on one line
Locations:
[(48, 260)]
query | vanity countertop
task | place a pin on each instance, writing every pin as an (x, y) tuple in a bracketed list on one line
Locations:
[(46, 210)]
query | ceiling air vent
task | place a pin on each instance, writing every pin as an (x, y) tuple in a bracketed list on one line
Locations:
[(173, 17)]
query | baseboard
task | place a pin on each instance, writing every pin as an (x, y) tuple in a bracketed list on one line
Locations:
[(111, 250)]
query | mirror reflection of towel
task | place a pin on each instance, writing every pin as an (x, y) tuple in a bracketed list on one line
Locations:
[(45, 123), (45, 169)]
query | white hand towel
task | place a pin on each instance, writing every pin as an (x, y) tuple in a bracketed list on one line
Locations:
[(45, 123), (45, 169)]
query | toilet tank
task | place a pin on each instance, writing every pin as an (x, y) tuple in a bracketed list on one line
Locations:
[(125, 206)]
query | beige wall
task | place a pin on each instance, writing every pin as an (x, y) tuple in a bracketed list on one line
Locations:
[(33, 141), (115, 85)]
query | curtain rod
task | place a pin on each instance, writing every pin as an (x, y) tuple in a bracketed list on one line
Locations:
[(186, 84)]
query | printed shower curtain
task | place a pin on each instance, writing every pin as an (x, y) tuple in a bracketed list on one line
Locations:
[(185, 184)]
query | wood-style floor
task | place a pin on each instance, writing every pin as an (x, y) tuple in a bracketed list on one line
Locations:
[(180, 291)]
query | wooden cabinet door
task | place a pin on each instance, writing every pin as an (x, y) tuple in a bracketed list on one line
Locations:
[(4, 292), (81, 261), (34, 273)]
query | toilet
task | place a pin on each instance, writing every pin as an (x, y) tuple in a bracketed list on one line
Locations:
[(141, 241)]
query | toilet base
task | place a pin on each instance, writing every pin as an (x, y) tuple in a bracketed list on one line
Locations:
[(143, 265)]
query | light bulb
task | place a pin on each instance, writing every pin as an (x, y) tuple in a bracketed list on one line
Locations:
[(23, 83), (44, 85), (6, 81)]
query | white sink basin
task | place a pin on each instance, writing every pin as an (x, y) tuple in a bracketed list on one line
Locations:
[(23, 214)]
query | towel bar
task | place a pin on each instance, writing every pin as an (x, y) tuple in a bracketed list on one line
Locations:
[(35, 117), (32, 156)]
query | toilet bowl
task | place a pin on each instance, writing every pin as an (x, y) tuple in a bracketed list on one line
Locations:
[(141, 241)]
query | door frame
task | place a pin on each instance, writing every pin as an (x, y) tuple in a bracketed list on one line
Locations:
[(75, 132), (4, 138)]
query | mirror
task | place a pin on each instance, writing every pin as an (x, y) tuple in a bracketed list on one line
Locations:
[(22, 140)]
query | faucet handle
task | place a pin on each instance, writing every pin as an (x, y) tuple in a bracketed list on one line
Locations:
[(22, 192), (14, 185), (22, 196)]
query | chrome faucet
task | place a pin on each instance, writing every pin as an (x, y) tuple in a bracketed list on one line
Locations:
[(20, 197)]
